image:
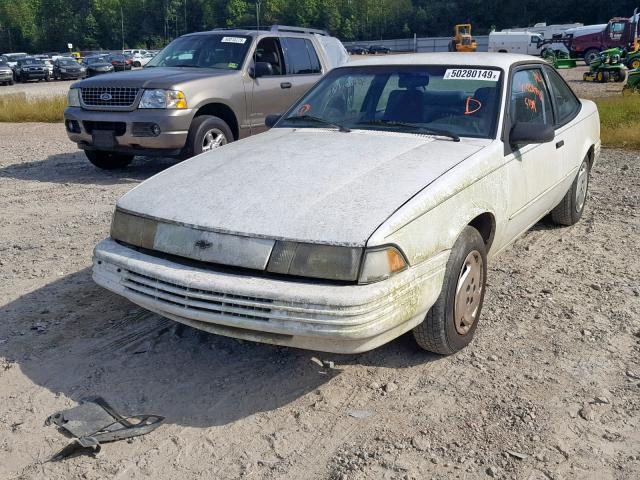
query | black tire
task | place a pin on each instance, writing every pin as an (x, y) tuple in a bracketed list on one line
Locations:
[(570, 208), (137, 64), (438, 332), (199, 128), (621, 75), (590, 55), (108, 160), (10, 82)]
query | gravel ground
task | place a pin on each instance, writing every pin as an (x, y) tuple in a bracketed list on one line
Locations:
[(549, 389)]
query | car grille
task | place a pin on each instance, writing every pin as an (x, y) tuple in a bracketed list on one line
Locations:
[(119, 96), (118, 127), (196, 299)]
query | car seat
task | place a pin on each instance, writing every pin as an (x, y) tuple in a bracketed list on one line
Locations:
[(407, 105)]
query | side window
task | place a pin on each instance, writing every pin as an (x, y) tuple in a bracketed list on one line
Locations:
[(564, 101), (529, 99), (269, 51), (302, 57)]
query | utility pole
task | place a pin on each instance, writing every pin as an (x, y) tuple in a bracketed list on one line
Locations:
[(122, 26)]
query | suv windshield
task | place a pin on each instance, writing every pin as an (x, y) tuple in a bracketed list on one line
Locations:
[(68, 63), (92, 60), (30, 61), (452, 100), (204, 51)]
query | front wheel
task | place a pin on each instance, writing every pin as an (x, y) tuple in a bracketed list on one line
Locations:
[(205, 134), (591, 55), (570, 209), (108, 160), (452, 321)]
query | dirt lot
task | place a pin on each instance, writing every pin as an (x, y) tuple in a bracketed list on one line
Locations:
[(550, 388)]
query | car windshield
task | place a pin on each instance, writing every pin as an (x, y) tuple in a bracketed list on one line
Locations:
[(458, 101), (92, 60), (204, 51), (68, 63)]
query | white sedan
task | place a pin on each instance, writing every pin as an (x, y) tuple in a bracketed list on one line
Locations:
[(370, 209)]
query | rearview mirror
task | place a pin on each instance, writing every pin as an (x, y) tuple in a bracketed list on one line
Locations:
[(271, 120), (261, 69), (525, 133)]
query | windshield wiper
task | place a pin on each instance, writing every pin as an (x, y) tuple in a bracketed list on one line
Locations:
[(313, 118), (415, 126)]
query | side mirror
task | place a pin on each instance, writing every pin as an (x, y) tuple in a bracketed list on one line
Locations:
[(271, 120), (261, 69), (525, 133)]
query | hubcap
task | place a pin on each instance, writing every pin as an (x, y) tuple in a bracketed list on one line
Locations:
[(468, 292), (214, 138), (581, 188)]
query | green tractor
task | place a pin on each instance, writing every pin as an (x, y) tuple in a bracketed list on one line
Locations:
[(558, 58), (633, 82), (607, 67)]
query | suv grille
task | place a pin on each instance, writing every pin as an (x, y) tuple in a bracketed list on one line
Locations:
[(109, 96)]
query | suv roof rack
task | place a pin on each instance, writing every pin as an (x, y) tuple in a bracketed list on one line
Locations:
[(278, 28)]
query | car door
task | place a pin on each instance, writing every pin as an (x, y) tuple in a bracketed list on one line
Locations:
[(303, 65), (535, 169), (566, 107), (271, 93)]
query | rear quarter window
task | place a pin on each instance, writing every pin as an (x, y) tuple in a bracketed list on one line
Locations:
[(302, 57)]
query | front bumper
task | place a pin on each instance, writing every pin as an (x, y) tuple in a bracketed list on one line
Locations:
[(174, 126), (316, 316), (33, 75)]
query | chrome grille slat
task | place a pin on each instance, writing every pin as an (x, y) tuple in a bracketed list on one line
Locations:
[(120, 96)]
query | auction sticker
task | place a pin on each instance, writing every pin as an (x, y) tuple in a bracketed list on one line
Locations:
[(233, 40), (471, 74)]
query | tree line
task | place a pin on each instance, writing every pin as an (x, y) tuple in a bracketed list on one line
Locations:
[(49, 25)]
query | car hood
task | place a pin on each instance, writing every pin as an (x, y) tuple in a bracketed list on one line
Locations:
[(5, 68), (153, 77), (307, 185)]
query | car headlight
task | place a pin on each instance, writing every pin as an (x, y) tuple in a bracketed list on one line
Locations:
[(381, 263), (83, 69), (316, 261), (73, 97), (159, 98), (133, 229)]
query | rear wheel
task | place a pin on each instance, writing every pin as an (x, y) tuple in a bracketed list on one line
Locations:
[(205, 134), (590, 55), (452, 321), (108, 160), (621, 75), (570, 209)]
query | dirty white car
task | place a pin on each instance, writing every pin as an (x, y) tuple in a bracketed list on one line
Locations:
[(369, 210)]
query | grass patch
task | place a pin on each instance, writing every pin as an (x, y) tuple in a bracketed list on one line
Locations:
[(18, 108), (620, 121)]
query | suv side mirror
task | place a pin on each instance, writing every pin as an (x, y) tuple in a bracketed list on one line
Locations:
[(525, 133), (271, 120), (261, 69)]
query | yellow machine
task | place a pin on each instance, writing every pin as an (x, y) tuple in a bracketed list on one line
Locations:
[(463, 41)]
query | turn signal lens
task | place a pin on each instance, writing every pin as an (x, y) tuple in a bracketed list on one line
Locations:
[(381, 263)]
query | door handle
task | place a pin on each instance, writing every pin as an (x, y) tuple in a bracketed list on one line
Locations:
[(285, 85), (560, 144)]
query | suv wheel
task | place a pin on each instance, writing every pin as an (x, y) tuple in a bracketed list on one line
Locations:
[(108, 160), (207, 133), (452, 321)]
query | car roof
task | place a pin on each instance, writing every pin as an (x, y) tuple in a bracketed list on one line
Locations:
[(476, 59)]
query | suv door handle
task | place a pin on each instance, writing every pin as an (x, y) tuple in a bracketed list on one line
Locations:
[(560, 144), (285, 85)]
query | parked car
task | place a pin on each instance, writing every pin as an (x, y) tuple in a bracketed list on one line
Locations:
[(120, 62), (357, 50), (98, 65), (67, 68), (12, 58), (140, 60), (30, 68), (371, 208), (202, 91), (48, 63), (376, 49), (6, 73)]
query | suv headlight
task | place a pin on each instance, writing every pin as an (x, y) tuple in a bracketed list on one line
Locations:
[(73, 97), (160, 98)]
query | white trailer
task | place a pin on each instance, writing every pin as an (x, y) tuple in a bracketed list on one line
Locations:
[(515, 42)]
